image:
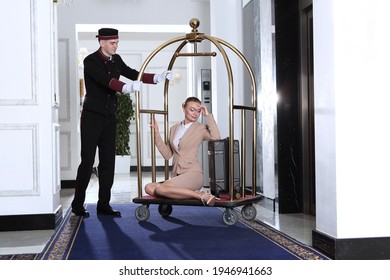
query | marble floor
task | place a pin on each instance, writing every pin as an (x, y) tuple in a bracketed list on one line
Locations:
[(297, 226)]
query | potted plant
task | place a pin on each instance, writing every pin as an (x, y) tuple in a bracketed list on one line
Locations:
[(124, 114)]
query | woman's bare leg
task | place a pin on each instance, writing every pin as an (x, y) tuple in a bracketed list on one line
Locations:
[(150, 188), (170, 191)]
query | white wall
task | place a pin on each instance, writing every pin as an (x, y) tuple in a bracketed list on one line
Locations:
[(231, 31), (29, 130), (351, 56)]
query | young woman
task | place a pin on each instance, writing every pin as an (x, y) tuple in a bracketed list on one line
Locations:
[(184, 141)]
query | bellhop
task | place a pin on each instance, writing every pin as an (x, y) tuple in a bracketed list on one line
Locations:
[(102, 70)]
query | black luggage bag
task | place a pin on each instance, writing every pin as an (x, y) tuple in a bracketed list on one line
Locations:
[(218, 154)]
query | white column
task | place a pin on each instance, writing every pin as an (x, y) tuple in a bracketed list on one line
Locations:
[(351, 58), (29, 130), (226, 24)]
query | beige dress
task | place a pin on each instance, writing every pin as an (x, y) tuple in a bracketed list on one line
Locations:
[(186, 169)]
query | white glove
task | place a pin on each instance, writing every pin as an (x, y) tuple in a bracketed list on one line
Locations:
[(130, 88), (137, 85), (158, 78)]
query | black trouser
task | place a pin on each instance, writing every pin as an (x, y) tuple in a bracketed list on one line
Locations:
[(96, 131)]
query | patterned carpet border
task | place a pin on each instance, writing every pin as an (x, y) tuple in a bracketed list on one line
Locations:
[(60, 245), (61, 234), (300, 250), (62, 241)]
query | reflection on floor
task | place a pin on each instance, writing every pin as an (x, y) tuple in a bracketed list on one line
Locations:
[(297, 226)]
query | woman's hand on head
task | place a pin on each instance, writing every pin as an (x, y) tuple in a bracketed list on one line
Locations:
[(204, 110)]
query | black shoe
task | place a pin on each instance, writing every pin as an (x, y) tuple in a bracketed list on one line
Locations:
[(108, 211), (80, 212)]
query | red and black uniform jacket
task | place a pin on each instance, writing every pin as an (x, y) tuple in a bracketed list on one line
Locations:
[(101, 76)]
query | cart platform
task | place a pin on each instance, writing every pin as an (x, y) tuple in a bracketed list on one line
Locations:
[(229, 216)]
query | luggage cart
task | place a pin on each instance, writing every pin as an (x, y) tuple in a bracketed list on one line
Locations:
[(228, 200)]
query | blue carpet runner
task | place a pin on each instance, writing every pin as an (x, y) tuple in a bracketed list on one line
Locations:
[(189, 233)]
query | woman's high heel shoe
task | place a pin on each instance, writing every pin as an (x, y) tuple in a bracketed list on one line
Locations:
[(208, 199)]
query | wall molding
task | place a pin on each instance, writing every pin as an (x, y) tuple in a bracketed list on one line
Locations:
[(34, 190), (33, 100), (67, 135), (65, 96), (56, 158)]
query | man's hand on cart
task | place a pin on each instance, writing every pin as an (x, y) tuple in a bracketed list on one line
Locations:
[(133, 87), (158, 78)]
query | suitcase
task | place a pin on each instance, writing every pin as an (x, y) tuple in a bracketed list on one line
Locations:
[(218, 155)]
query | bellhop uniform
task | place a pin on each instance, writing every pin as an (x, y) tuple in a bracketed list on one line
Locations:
[(98, 122)]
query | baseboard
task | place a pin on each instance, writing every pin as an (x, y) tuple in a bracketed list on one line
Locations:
[(31, 222), (374, 248), (149, 168), (68, 184), (268, 203)]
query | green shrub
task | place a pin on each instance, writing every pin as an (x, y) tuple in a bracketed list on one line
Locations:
[(124, 115)]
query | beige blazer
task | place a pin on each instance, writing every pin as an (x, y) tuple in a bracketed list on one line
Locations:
[(185, 158)]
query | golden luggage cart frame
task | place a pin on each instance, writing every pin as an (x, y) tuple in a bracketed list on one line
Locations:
[(229, 216)]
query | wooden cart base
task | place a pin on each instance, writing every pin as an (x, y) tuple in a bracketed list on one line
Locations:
[(229, 216)]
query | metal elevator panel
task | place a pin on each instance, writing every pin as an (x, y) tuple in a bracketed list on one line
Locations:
[(206, 88), (205, 97)]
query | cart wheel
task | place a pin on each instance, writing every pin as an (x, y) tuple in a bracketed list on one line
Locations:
[(142, 213), (165, 210), (230, 217), (249, 212)]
